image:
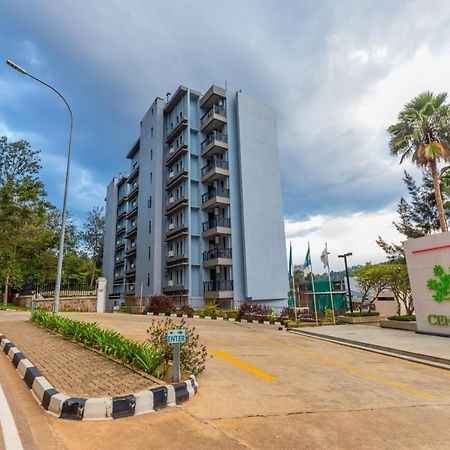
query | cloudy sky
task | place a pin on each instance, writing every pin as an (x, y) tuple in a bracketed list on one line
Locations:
[(336, 73)]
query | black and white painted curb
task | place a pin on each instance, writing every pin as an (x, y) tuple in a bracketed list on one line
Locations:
[(226, 319), (74, 408)]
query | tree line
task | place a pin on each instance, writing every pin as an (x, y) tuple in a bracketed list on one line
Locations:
[(30, 227)]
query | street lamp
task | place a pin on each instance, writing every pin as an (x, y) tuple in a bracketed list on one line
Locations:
[(348, 279), (66, 184)]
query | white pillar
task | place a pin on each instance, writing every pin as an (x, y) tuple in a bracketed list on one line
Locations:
[(101, 294)]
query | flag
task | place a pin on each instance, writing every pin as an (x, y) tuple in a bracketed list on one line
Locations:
[(291, 272), (324, 257), (307, 263)]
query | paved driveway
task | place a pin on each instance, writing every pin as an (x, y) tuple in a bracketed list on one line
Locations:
[(265, 388)]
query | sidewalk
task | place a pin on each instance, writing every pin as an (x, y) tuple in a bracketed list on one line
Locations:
[(72, 369), (431, 350)]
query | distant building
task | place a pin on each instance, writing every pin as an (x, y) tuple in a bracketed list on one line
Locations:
[(199, 217)]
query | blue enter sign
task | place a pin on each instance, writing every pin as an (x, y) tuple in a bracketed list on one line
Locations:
[(176, 336)]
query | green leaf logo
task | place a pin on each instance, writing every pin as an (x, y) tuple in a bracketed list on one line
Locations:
[(441, 286)]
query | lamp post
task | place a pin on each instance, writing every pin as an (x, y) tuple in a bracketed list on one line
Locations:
[(66, 184), (348, 279)]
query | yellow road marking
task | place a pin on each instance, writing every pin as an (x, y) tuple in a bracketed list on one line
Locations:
[(358, 372), (243, 365)]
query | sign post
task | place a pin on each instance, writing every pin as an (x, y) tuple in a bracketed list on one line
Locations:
[(176, 338)]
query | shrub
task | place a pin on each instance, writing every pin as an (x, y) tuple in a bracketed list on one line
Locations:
[(250, 311), (161, 304), (210, 310), (362, 314), (192, 354), (145, 357), (230, 313), (288, 313), (186, 309), (404, 318)]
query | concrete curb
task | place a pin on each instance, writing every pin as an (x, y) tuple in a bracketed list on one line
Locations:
[(74, 408), (225, 319), (427, 360)]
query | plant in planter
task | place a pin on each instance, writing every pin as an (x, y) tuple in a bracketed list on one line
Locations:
[(404, 318), (250, 311), (193, 354), (210, 310), (161, 304)]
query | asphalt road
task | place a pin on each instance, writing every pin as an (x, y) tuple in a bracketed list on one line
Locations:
[(263, 388)]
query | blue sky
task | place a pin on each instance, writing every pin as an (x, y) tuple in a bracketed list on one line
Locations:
[(336, 73)]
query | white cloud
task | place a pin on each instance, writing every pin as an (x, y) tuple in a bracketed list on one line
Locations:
[(84, 191), (354, 233), (426, 70)]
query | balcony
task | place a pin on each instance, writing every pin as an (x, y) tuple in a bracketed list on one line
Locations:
[(175, 178), (218, 289), (175, 289), (121, 214), (175, 204), (214, 144), (174, 153), (129, 290), (132, 231), (131, 249), (120, 261), (133, 175), (217, 225), (120, 230), (216, 197), (175, 132), (217, 257), (176, 260), (214, 119), (215, 170), (176, 232), (120, 245), (133, 211), (214, 94), (133, 192), (121, 200), (130, 271)]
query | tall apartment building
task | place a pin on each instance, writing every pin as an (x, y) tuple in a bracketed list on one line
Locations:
[(199, 216)]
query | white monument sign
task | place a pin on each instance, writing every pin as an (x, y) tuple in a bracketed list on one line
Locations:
[(428, 260)]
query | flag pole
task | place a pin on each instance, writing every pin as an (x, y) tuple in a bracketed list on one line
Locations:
[(329, 282), (313, 288), (291, 270)]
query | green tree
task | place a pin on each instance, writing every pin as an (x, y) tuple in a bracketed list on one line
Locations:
[(422, 133), (418, 216), (91, 237), (370, 281), (24, 211)]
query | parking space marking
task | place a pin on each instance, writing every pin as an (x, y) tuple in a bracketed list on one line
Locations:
[(243, 365), (10, 434), (358, 372)]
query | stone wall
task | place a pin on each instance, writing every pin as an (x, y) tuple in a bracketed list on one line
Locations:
[(82, 304)]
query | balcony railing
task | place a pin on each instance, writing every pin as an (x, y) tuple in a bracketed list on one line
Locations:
[(216, 109), (216, 222), (215, 253), (217, 285), (218, 163), (218, 192), (217, 136)]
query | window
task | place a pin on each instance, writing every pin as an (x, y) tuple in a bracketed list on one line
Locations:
[(151, 177), (151, 153), (149, 226), (151, 131), (149, 202), (152, 111), (148, 280), (149, 252)]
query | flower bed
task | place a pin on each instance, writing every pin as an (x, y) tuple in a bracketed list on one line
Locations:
[(141, 356)]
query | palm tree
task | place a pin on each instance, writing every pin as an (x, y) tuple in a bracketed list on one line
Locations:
[(423, 133)]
